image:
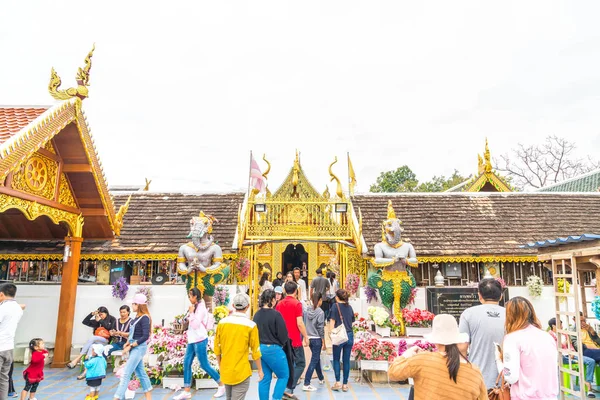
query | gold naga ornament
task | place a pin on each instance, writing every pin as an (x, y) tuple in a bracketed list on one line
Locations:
[(338, 190), (82, 77)]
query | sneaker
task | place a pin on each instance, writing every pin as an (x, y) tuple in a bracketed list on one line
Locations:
[(13, 394), (326, 368), (309, 388), (220, 392), (183, 395), (321, 382)]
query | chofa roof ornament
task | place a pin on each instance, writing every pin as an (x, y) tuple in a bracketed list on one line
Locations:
[(83, 81)]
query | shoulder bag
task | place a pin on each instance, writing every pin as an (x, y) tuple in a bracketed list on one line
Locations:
[(339, 335), (501, 391)]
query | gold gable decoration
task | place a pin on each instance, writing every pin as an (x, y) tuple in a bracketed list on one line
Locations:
[(486, 175), (37, 176), (65, 194)]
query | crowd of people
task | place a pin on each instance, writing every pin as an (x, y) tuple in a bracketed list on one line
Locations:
[(491, 345)]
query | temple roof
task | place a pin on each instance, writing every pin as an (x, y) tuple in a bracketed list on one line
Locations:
[(13, 119), (589, 182), (437, 224)]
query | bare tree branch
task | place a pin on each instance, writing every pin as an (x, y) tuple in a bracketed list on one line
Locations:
[(535, 166)]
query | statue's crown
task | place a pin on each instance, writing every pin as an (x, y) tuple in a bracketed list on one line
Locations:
[(391, 214)]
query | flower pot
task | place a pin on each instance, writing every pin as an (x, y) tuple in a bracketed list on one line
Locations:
[(414, 331), (374, 365), (169, 381), (155, 381), (206, 384), (383, 331)]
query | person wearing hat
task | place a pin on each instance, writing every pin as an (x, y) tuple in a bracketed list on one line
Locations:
[(279, 295), (95, 371), (445, 374), (136, 346), (234, 336)]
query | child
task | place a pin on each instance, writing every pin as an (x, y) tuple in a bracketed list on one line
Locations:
[(34, 373), (95, 371)]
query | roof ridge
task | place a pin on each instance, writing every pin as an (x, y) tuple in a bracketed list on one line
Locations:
[(569, 180)]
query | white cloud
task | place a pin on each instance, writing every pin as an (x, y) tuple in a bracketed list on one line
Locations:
[(182, 91)]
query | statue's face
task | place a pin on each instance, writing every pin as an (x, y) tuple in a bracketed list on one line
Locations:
[(200, 226), (392, 227)]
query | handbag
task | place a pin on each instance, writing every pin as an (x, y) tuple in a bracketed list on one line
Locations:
[(339, 335), (102, 332), (499, 392)]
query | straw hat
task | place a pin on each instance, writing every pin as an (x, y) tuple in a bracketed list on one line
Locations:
[(445, 331)]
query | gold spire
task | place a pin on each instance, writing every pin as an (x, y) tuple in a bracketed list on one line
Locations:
[(339, 190), (391, 213), (351, 176), (484, 164), (120, 215), (326, 194), (296, 170), (82, 77)]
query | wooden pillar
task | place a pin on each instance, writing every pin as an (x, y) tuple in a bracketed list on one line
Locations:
[(66, 307)]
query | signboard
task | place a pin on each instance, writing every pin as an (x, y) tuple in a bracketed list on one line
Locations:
[(454, 300)]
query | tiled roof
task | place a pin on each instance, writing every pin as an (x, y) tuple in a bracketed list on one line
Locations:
[(589, 182), (13, 119), (437, 224), (477, 223), (586, 237)]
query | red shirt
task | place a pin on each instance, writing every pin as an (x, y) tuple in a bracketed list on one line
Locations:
[(35, 372), (291, 309)]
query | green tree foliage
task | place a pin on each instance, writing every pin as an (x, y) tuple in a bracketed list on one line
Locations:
[(404, 179), (401, 180)]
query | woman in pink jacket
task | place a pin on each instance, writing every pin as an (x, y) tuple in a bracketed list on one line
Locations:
[(197, 335)]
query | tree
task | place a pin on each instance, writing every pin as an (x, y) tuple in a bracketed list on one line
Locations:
[(401, 180), (539, 165), (405, 180), (441, 183)]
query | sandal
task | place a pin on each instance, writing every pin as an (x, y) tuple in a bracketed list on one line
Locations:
[(336, 387), (345, 388), (81, 377), (70, 365)]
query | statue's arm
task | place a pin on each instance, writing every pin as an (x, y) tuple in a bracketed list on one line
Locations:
[(380, 259), (217, 257), (412, 257), (181, 267)]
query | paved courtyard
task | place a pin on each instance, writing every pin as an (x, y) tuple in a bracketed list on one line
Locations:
[(62, 384)]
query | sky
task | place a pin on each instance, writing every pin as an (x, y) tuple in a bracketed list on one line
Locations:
[(181, 92)]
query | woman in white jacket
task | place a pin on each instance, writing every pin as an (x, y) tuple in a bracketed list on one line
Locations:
[(197, 335)]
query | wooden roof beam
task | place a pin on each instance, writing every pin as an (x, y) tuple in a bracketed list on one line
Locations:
[(93, 212), (77, 168)]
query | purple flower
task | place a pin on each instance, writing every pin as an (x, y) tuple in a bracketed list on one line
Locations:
[(120, 288), (371, 294)]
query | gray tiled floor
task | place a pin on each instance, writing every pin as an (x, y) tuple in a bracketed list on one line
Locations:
[(62, 384)]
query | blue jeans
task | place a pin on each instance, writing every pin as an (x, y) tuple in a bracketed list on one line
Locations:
[(273, 361), (197, 349), (346, 349), (315, 361), (589, 367), (117, 346), (135, 363)]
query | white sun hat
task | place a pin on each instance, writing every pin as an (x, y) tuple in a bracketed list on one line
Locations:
[(445, 331)]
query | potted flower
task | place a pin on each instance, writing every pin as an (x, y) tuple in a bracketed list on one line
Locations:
[(155, 373), (381, 318), (219, 313), (352, 284), (221, 296), (120, 288), (374, 354), (535, 285), (418, 322), (360, 325)]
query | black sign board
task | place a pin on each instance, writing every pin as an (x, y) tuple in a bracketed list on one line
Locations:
[(454, 300)]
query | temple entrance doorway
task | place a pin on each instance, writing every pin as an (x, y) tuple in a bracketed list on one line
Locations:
[(294, 256)]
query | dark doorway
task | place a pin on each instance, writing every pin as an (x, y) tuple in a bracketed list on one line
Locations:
[(292, 257)]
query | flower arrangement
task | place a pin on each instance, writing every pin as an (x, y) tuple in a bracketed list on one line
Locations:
[(501, 282), (374, 349), (360, 325), (395, 326), (220, 312), (146, 291), (425, 345), (535, 285), (402, 346), (379, 315), (133, 385), (418, 318), (413, 296), (352, 283), (155, 374), (242, 268), (371, 294), (120, 288), (362, 335), (564, 286), (221, 296)]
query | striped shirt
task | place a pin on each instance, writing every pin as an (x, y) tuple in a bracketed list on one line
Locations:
[(432, 380), (235, 335)]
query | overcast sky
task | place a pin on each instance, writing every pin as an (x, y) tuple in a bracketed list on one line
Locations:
[(182, 91)]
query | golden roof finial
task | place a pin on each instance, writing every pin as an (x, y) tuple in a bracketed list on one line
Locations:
[(120, 215), (487, 158), (391, 213), (351, 176), (147, 187), (268, 192), (296, 170), (82, 77), (339, 190), (326, 194)]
